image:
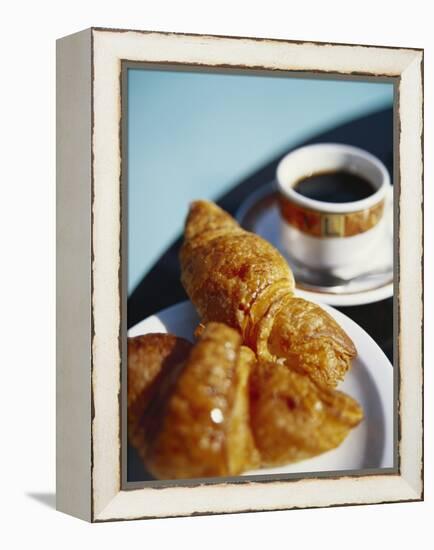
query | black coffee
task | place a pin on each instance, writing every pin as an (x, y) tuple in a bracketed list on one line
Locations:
[(338, 186)]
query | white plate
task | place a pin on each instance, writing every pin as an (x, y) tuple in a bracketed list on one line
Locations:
[(370, 381), (259, 213)]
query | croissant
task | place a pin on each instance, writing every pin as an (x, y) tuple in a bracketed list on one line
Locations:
[(294, 418), (197, 422), (236, 277), (213, 410)]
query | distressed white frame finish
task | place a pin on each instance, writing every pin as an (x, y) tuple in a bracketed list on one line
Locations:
[(89, 351)]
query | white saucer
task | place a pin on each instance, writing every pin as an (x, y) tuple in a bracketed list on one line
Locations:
[(370, 382), (259, 214)]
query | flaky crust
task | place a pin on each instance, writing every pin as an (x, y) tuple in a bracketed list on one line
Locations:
[(205, 431), (150, 357), (228, 273), (235, 277), (293, 418), (311, 341)]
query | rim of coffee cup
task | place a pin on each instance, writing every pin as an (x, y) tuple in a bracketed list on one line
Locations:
[(376, 169)]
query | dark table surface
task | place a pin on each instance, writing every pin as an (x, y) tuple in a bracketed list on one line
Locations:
[(161, 286)]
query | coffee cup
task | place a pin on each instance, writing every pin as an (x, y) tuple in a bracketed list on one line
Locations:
[(332, 201)]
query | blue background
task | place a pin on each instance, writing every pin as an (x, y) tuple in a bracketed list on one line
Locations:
[(195, 135)]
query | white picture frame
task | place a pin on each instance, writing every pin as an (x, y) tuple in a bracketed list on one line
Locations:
[(90, 293)]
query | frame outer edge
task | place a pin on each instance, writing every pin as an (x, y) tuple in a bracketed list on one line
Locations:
[(411, 275), (115, 504), (73, 275)]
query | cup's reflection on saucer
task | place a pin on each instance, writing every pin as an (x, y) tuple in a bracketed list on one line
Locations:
[(332, 200)]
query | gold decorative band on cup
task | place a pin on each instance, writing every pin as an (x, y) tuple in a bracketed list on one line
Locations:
[(327, 224)]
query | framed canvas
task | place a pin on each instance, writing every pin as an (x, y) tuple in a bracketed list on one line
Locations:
[(151, 126)]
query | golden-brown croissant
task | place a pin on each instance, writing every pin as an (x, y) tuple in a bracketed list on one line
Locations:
[(294, 418), (197, 423), (236, 277), (212, 410)]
